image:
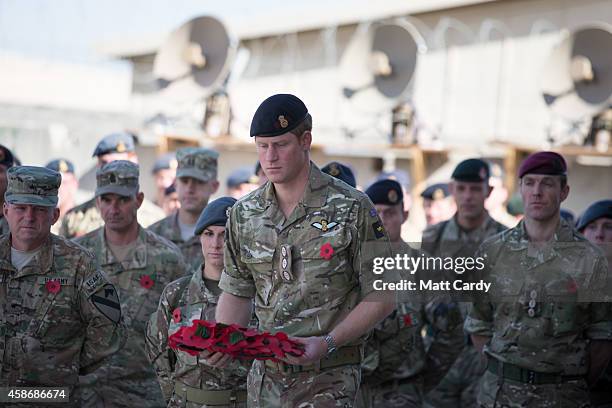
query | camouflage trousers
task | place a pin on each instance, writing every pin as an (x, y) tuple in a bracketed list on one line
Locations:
[(511, 394), (459, 386), (332, 387), (391, 395), (179, 402), (120, 393)]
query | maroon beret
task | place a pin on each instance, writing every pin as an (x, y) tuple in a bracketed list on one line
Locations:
[(543, 163)]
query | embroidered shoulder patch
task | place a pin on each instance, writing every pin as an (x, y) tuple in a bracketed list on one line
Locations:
[(93, 283), (106, 300), (379, 230)]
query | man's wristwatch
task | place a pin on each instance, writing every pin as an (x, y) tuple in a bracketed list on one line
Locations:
[(331, 344)]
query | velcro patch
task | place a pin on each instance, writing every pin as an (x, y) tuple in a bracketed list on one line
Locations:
[(93, 283), (106, 300), (379, 230), (63, 281)]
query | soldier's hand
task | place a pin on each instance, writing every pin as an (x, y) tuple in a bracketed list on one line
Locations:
[(217, 360), (315, 349)]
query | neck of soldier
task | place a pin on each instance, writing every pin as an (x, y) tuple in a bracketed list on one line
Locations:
[(211, 272), (188, 217), (542, 231), (470, 223), (288, 194), (122, 237)]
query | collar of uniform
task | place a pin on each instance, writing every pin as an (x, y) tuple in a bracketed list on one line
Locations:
[(312, 196), (43, 261), (200, 292), (138, 258), (520, 239)]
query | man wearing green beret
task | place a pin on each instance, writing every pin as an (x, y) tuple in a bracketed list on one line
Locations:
[(60, 316), (303, 247), (459, 237), (544, 327), (85, 217), (196, 182), (140, 264)]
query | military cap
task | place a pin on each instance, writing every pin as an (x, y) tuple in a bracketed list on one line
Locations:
[(197, 162), (215, 213), (401, 176), (550, 163), (32, 185), (117, 177), (6, 157), (165, 161), (341, 172), (387, 192), (599, 209), (241, 176), (471, 170), (61, 165), (171, 189), (567, 215), (277, 115), (120, 142), (436, 191), (515, 205)]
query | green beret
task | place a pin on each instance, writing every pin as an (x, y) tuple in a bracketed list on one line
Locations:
[(471, 170)]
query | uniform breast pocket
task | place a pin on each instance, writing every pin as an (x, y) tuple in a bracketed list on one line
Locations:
[(260, 264), (562, 308)]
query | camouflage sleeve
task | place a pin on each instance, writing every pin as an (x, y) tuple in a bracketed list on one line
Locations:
[(479, 320), (372, 242), (156, 344), (236, 279), (100, 308), (600, 327)]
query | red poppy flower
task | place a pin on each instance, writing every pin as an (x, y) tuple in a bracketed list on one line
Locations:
[(176, 315), (53, 286), (327, 251), (571, 286), (408, 320), (146, 282)]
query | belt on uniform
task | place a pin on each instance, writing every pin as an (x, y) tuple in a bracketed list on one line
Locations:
[(519, 374), (343, 356), (209, 397)]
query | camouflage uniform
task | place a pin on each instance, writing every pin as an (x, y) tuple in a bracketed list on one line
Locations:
[(458, 387), (281, 262), (127, 379), (181, 374), (201, 164), (52, 332), (4, 227), (397, 368), (86, 217), (540, 348), (191, 249)]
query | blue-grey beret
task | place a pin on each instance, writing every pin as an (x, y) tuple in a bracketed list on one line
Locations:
[(215, 213), (61, 165), (120, 142), (599, 209)]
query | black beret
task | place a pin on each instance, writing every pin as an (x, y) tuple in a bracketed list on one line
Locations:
[(278, 114), (61, 165), (6, 157), (387, 192), (120, 142), (341, 172), (215, 213), (165, 161), (599, 209), (474, 170), (436, 191), (550, 163)]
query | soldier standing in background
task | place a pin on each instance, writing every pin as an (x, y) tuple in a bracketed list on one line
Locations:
[(140, 264), (437, 204), (396, 363), (7, 161), (86, 217), (341, 172), (164, 173), (461, 236), (303, 247), (544, 327), (186, 380), (196, 182), (59, 315), (67, 191), (596, 225)]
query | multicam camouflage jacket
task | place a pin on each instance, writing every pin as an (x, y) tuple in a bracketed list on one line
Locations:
[(182, 301), (4, 227), (191, 249), (306, 272), (140, 279), (544, 304), (59, 316), (86, 217)]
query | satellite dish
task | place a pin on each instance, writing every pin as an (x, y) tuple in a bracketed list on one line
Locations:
[(378, 64), (578, 74), (195, 58)]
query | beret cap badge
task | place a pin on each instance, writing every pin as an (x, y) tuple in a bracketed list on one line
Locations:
[(121, 147), (392, 196), (283, 122)]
